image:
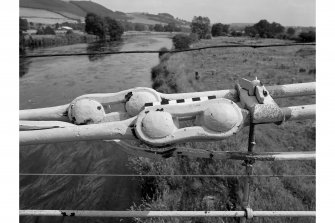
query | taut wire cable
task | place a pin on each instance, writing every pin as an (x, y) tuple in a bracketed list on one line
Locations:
[(171, 51)]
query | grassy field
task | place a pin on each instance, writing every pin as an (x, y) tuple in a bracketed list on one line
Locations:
[(53, 6), (220, 69), (47, 17)]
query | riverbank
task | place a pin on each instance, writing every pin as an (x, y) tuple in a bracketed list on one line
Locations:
[(52, 81), (220, 69), (35, 41)]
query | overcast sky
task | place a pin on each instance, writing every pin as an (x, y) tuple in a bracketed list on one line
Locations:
[(286, 12)]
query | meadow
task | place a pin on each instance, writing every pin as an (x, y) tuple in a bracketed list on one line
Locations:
[(221, 69)]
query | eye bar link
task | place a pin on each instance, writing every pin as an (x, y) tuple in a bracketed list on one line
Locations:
[(98, 108), (161, 128), (144, 114)]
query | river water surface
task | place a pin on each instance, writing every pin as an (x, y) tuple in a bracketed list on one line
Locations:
[(58, 80), (55, 81)]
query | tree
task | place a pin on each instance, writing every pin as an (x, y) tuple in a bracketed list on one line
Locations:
[(24, 26), (95, 25), (250, 31), (177, 29), (201, 26), (115, 29), (218, 29), (307, 36), (40, 31), (128, 26), (290, 31), (265, 29), (48, 31), (139, 27), (69, 32), (151, 27), (276, 28), (171, 27), (181, 41), (159, 28)]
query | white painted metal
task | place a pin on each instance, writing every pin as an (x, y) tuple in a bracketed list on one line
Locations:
[(292, 90), (45, 114), (216, 155), (162, 214), (118, 102), (299, 112), (122, 129), (39, 125), (114, 130)]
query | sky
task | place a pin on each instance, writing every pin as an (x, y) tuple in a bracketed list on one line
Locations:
[(285, 12)]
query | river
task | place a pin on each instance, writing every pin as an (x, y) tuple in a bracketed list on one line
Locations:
[(55, 81)]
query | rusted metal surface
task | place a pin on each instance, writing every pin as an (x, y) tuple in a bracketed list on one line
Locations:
[(266, 113), (163, 214)]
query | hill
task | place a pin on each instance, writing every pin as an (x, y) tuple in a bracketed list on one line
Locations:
[(71, 10), (57, 6), (99, 10), (53, 11), (161, 18)]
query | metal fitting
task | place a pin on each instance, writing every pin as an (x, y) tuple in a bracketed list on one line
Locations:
[(249, 213)]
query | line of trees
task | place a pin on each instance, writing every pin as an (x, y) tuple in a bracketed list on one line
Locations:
[(264, 29), (200, 29), (219, 29), (103, 27), (170, 27)]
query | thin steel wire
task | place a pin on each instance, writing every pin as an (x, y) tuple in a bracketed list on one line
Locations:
[(154, 175), (171, 51)]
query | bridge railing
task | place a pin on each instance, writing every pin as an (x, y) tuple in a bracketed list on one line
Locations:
[(254, 97)]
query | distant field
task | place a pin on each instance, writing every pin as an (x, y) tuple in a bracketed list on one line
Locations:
[(89, 6), (141, 18), (54, 6), (45, 16)]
